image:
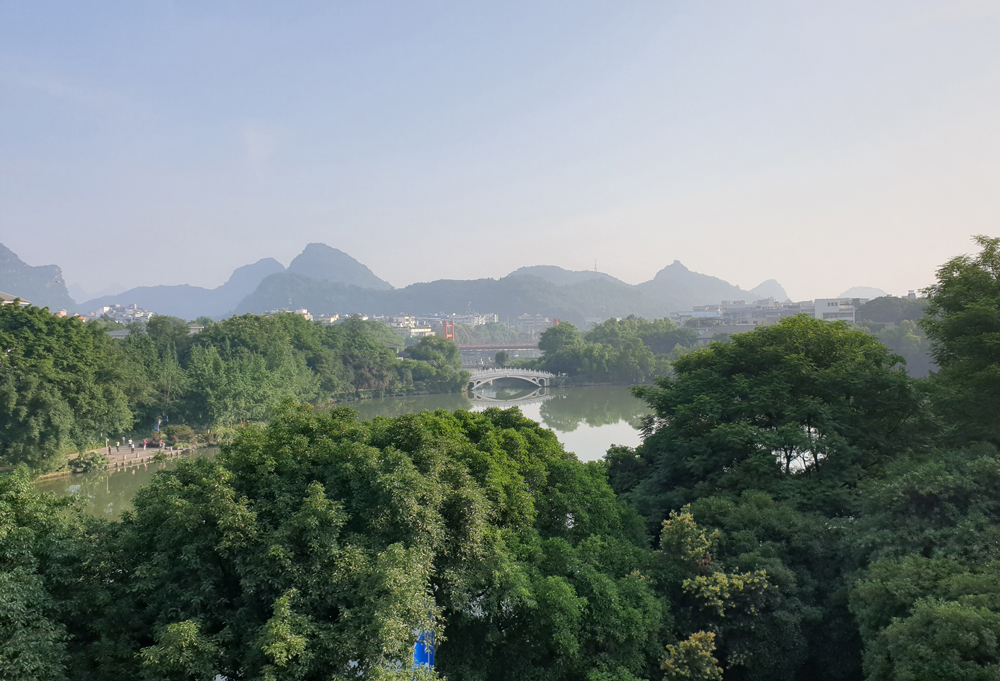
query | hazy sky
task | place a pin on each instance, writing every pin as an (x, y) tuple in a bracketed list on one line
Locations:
[(826, 145)]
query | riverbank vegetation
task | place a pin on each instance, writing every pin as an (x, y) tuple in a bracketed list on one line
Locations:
[(630, 350), (800, 509), (66, 385)]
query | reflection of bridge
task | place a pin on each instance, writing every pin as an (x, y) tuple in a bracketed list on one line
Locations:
[(539, 378), (482, 400)]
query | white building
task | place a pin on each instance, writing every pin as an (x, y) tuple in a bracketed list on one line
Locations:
[(837, 309), (125, 314), (7, 299)]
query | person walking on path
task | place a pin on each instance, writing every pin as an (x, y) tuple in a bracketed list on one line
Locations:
[(116, 445), (144, 440), (131, 445)]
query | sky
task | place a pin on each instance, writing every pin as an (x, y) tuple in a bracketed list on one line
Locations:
[(825, 145)]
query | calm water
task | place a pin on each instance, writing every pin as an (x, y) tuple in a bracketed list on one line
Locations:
[(586, 420), (108, 493)]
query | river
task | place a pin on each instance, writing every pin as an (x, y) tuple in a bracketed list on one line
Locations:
[(587, 420)]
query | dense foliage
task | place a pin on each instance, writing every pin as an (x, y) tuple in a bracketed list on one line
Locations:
[(630, 350), (894, 321), (963, 323), (318, 547), (60, 386), (808, 454), (800, 509), (65, 385)]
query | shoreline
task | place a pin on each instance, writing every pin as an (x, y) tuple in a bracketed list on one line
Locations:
[(124, 460)]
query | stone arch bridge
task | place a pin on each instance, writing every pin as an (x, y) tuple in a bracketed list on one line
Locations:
[(479, 377)]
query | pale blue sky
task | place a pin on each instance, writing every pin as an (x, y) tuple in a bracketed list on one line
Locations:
[(826, 145)]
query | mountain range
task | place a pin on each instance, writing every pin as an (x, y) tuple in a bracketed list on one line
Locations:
[(317, 262), (576, 296), (42, 285), (325, 280)]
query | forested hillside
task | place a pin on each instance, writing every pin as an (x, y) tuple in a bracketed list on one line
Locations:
[(800, 509)]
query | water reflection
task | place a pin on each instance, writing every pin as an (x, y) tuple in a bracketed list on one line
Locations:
[(587, 420), (507, 397), (594, 407), (108, 493)]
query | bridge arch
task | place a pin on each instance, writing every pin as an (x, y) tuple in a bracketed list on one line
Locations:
[(541, 379)]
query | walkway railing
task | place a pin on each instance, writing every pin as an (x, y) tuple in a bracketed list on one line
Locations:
[(483, 373)]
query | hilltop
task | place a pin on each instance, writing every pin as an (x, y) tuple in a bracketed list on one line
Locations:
[(43, 285)]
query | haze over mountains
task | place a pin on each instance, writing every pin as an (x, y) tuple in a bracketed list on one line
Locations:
[(43, 285), (325, 280)]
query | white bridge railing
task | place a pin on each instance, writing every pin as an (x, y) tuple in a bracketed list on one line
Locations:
[(534, 376), (497, 373)]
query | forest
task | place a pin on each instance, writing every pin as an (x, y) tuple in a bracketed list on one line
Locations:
[(800, 508), (635, 350), (66, 385)]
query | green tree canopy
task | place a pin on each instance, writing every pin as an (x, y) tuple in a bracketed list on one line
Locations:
[(318, 545), (891, 310), (438, 351), (59, 387), (793, 408), (963, 323), (559, 337)]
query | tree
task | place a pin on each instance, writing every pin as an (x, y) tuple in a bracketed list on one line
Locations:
[(502, 358), (927, 604), (318, 545), (440, 352), (58, 387), (963, 323), (559, 337), (168, 332), (35, 538), (891, 310), (793, 409)]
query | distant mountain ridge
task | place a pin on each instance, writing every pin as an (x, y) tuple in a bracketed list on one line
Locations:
[(508, 297), (317, 262), (322, 262), (575, 296), (562, 277), (189, 302), (325, 280), (43, 285), (863, 292)]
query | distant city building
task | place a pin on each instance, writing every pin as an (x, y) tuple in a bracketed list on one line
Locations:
[(194, 329), (739, 316), (125, 314), (837, 309), (475, 319), (533, 323), (7, 299), (402, 322)]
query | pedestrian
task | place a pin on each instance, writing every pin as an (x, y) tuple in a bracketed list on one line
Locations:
[(116, 445), (144, 443), (131, 445)]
